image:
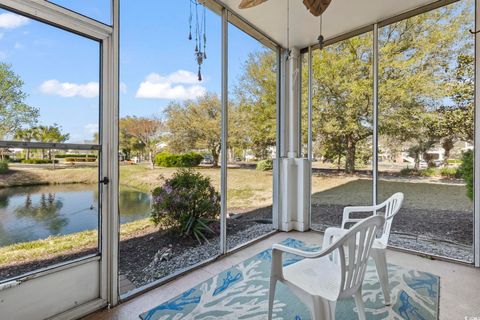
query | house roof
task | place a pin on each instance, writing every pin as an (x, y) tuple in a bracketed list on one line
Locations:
[(340, 18)]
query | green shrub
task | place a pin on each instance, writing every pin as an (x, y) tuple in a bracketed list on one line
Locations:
[(449, 173), (165, 159), (405, 172), (186, 160), (466, 171), (69, 159), (187, 202), (3, 166), (429, 172), (265, 165), (62, 156), (190, 159), (38, 161)]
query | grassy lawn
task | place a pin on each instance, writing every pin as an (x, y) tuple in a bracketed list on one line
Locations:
[(418, 195)]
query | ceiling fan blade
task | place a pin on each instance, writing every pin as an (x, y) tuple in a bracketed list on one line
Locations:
[(317, 7), (250, 3)]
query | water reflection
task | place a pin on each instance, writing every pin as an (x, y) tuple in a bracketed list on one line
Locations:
[(46, 212), (31, 213)]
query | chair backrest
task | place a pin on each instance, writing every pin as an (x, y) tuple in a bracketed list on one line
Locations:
[(392, 205), (352, 251)]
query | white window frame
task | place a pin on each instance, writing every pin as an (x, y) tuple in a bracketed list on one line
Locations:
[(107, 36)]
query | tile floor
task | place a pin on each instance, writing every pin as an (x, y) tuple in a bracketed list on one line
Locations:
[(459, 284)]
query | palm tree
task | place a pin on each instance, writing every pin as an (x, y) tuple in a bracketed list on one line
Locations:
[(50, 134), (26, 135)]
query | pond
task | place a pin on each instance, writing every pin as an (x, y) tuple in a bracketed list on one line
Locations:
[(36, 212)]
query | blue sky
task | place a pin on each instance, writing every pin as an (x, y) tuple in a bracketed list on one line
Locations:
[(157, 64)]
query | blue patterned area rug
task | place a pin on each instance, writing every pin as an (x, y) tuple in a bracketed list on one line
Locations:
[(241, 292)]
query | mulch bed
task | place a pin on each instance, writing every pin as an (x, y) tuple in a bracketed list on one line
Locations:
[(153, 256)]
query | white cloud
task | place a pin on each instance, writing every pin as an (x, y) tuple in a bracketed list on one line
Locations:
[(18, 45), (91, 128), (11, 20), (67, 89), (180, 85)]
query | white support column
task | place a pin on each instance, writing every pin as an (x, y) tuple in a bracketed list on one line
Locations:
[(293, 103), (279, 143), (309, 129), (292, 207), (375, 116), (224, 144)]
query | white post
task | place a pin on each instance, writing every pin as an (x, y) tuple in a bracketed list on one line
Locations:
[(292, 212), (224, 160), (375, 116), (293, 103)]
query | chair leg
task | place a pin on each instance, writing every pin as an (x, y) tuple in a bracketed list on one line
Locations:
[(359, 302), (379, 255), (320, 309), (333, 309), (271, 296)]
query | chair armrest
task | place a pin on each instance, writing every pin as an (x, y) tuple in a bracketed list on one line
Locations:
[(332, 234), (347, 210)]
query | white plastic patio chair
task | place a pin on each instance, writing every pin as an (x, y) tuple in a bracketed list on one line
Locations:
[(323, 277), (388, 209)]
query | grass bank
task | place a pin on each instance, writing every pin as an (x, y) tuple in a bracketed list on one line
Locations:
[(54, 246), (20, 175)]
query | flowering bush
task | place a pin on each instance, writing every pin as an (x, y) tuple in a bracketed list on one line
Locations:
[(187, 201)]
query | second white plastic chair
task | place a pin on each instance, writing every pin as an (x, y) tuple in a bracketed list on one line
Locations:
[(388, 209)]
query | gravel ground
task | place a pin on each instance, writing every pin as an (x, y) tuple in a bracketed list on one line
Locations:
[(156, 255), (437, 232)]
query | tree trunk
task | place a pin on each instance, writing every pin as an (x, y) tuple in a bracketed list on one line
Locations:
[(447, 144), (215, 155), (417, 161), (350, 157), (28, 154), (150, 158)]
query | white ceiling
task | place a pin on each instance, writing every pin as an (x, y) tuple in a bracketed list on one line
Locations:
[(341, 16)]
